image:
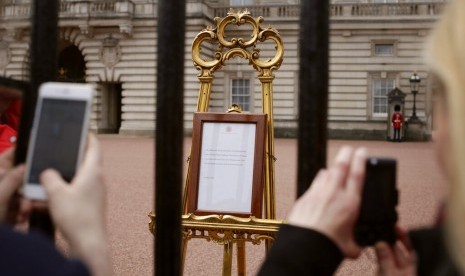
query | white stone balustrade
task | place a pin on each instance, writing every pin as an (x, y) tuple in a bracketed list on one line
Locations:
[(390, 9), (14, 11), (346, 10), (72, 9), (125, 8)]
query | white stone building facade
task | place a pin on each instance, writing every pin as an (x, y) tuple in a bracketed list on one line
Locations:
[(375, 45)]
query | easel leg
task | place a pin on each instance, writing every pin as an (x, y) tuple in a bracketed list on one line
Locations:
[(267, 246), (241, 258), (227, 259)]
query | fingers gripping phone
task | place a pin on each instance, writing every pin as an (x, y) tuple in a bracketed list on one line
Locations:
[(378, 215), (58, 133)]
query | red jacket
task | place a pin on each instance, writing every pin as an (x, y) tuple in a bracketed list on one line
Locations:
[(397, 120), (9, 125)]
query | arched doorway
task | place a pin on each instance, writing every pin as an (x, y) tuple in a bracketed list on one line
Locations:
[(71, 65)]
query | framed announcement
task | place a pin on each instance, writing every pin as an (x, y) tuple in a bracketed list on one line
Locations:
[(226, 165)]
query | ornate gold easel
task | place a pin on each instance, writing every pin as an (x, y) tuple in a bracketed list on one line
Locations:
[(225, 229)]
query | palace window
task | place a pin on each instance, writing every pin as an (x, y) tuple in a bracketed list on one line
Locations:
[(384, 49), (240, 93), (384, 1), (380, 89), (236, 3)]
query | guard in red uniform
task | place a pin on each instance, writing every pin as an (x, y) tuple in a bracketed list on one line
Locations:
[(397, 120), (9, 123)]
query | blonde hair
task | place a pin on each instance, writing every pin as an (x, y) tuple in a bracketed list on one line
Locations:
[(446, 58)]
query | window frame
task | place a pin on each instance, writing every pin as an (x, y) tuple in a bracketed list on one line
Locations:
[(373, 76), (243, 3), (375, 43), (250, 92), (384, 1), (382, 54)]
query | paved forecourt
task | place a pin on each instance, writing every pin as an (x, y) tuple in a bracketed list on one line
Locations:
[(129, 174)]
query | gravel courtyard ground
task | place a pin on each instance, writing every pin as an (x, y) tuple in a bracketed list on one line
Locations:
[(129, 166)]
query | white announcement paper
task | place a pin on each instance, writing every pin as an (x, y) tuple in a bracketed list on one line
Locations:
[(226, 167)]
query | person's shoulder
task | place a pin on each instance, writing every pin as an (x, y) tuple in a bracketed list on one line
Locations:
[(301, 251), (33, 254), (9, 236)]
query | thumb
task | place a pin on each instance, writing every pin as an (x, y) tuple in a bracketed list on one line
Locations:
[(386, 261), (52, 181)]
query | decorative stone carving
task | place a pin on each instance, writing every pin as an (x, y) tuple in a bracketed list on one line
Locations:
[(110, 52), (14, 33), (126, 29), (87, 30), (5, 54)]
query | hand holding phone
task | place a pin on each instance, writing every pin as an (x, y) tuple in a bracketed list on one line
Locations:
[(378, 215), (58, 133)]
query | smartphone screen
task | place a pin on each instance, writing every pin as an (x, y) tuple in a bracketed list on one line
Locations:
[(379, 190), (58, 138), (378, 213)]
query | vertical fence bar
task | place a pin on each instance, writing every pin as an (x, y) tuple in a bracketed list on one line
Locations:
[(313, 91), (43, 58), (43, 64), (169, 136)]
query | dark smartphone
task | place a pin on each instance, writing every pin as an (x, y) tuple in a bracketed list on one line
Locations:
[(378, 215)]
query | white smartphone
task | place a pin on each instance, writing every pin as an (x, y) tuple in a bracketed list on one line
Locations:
[(58, 133)]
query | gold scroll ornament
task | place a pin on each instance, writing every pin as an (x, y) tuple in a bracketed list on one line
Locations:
[(226, 230)]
